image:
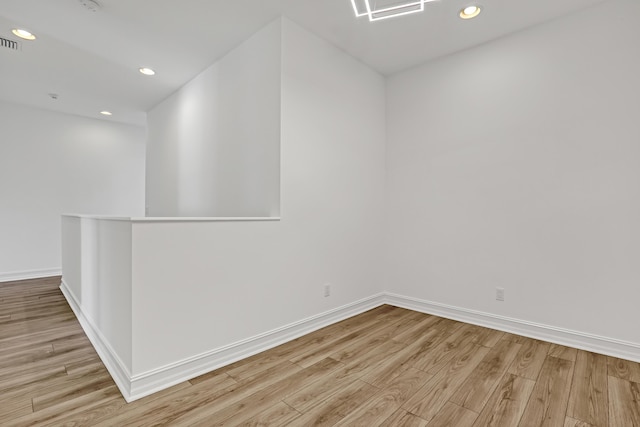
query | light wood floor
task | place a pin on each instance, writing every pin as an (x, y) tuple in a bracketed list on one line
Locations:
[(388, 366)]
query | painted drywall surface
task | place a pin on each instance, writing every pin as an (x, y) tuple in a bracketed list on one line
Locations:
[(214, 146), (254, 277), (234, 269), (97, 271), (111, 304), (71, 230), (333, 156), (515, 165), (52, 163)]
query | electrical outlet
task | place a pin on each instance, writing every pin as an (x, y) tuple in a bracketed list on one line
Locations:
[(327, 290), (499, 294)]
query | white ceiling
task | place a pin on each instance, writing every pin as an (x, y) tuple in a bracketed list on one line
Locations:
[(91, 58)]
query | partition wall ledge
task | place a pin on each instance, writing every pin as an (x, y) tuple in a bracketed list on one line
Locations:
[(175, 218)]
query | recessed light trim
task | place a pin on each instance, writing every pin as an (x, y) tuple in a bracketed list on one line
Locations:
[(470, 12), (106, 113), (23, 34), (146, 71)]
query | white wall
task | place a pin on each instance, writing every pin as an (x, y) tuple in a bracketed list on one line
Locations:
[(333, 157), (97, 267), (51, 163), (254, 277), (515, 165), (214, 146)]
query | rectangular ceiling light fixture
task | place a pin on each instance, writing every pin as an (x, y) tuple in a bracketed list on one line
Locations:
[(383, 9)]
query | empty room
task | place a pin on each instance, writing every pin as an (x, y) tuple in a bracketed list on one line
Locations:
[(332, 213)]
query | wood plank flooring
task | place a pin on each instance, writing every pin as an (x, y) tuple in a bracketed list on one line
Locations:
[(386, 367)]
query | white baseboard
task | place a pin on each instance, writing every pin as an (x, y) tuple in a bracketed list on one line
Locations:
[(134, 387), (589, 342), (29, 274), (153, 381), (112, 362)]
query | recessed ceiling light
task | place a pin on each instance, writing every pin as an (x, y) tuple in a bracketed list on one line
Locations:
[(147, 71), (23, 34), (106, 113), (470, 12)]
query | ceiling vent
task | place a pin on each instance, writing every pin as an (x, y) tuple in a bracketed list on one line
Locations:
[(9, 44)]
